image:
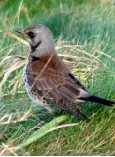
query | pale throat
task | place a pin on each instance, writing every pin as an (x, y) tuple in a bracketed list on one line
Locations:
[(42, 49)]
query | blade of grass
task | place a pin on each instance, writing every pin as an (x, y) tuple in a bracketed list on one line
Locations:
[(43, 131), (16, 37)]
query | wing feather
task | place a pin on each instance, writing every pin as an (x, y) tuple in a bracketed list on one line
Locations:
[(57, 80)]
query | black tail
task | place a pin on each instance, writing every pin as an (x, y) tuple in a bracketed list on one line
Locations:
[(98, 100)]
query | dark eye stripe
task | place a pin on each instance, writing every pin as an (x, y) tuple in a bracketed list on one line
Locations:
[(31, 34)]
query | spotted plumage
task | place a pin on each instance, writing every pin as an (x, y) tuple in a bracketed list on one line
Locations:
[(48, 78)]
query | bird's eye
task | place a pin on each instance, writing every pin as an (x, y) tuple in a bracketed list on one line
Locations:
[(31, 34)]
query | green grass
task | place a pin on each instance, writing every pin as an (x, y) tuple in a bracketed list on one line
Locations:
[(88, 24)]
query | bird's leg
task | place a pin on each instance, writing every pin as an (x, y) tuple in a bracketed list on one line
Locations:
[(43, 103), (48, 107)]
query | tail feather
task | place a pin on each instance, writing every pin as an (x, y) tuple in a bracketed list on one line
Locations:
[(98, 100)]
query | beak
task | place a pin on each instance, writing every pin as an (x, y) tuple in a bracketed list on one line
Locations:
[(24, 32)]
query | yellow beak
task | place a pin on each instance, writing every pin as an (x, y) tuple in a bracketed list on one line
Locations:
[(22, 32)]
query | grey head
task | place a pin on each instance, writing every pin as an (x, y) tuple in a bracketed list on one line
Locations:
[(40, 40)]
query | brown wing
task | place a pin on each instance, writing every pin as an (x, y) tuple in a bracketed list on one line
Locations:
[(63, 89), (56, 76), (56, 81)]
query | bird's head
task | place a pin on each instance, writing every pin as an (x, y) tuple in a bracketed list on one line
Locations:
[(40, 40)]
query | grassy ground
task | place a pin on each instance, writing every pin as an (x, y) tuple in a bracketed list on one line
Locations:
[(89, 25)]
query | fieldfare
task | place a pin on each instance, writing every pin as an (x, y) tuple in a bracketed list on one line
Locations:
[(47, 78)]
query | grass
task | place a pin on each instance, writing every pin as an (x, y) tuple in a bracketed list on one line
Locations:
[(84, 36)]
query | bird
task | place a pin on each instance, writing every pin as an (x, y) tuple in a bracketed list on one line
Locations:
[(48, 79)]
